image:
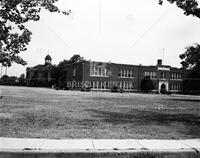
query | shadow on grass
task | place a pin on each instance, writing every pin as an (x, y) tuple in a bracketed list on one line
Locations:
[(144, 118), (187, 100)]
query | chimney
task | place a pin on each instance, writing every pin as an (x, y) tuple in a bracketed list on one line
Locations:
[(159, 62)]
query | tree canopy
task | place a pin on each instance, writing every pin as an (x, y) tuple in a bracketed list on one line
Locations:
[(191, 61), (191, 58), (14, 36), (190, 7), (59, 72), (146, 84)]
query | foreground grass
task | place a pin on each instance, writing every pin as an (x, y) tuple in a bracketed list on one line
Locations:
[(47, 113)]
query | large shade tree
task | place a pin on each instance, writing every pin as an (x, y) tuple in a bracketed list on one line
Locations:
[(191, 62), (14, 36), (146, 84), (191, 58), (59, 72), (190, 7)]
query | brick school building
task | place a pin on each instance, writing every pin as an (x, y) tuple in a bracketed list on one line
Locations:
[(103, 76)]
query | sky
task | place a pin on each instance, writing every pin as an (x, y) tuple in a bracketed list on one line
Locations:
[(120, 31)]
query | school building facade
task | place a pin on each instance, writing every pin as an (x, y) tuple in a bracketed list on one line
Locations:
[(40, 75), (104, 75)]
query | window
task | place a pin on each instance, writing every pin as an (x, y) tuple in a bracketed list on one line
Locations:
[(171, 76), (95, 71), (91, 70), (120, 84), (104, 85), (128, 74), (154, 74), (176, 76), (180, 76), (163, 75), (106, 72), (146, 73), (120, 73), (125, 73), (74, 72), (124, 85), (98, 71), (175, 87), (151, 74), (131, 73)]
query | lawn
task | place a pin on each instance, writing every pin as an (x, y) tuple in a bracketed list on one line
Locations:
[(48, 113)]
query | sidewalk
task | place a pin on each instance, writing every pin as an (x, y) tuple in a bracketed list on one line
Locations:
[(11, 147)]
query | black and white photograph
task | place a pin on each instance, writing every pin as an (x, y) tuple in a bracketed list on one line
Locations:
[(100, 79)]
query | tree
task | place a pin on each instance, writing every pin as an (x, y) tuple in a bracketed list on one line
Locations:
[(6, 80), (75, 59), (146, 84), (22, 80), (191, 58), (14, 36), (59, 72), (190, 7), (191, 62)]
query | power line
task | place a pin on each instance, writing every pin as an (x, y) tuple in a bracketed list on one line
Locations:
[(56, 34), (149, 28)]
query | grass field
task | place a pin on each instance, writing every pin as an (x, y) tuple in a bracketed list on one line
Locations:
[(47, 113)]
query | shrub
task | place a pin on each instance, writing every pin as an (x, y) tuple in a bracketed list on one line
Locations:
[(146, 84), (114, 89)]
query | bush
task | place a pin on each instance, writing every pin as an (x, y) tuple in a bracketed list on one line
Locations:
[(146, 84), (121, 90), (114, 89), (86, 89)]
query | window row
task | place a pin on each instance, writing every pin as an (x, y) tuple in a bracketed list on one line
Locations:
[(176, 76), (99, 85), (126, 85), (98, 71), (126, 73), (175, 87), (108, 85), (151, 74)]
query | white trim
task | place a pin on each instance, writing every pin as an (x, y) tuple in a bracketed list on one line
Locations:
[(98, 76), (176, 79), (99, 89), (164, 68), (125, 77), (166, 83)]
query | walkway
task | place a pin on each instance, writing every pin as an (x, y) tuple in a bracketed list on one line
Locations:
[(51, 148)]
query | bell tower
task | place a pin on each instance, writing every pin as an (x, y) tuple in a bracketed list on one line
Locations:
[(48, 60)]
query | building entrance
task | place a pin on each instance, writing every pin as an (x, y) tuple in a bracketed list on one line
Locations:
[(163, 86)]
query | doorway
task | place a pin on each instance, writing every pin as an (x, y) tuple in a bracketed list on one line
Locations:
[(163, 88)]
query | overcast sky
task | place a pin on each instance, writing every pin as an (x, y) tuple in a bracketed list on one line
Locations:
[(120, 31)]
